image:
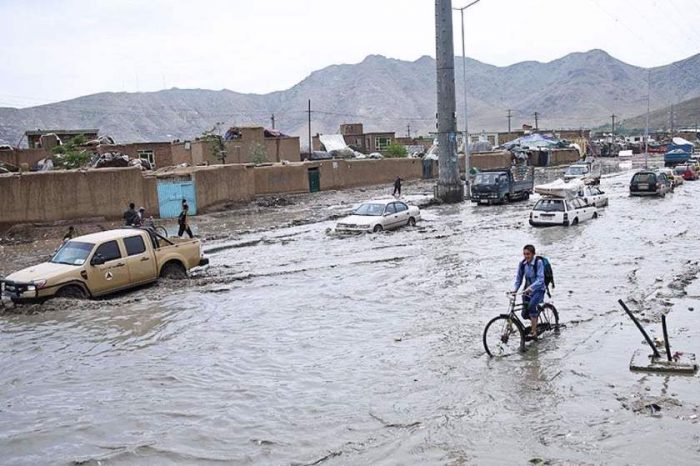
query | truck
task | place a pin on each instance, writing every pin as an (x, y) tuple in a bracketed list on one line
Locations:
[(587, 171), (102, 263), (503, 185)]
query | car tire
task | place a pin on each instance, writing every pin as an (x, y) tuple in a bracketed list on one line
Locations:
[(71, 292), (411, 222), (506, 199), (173, 270), (595, 214), (526, 196), (378, 228), (575, 222)]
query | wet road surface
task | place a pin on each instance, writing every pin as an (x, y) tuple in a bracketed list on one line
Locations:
[(300, 347)]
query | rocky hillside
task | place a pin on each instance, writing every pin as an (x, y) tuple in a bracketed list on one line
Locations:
[(687, 115), (580, 89)]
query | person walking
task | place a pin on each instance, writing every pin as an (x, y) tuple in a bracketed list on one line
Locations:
[(130, 216), (531, 268), (397, 186), (182, 221)]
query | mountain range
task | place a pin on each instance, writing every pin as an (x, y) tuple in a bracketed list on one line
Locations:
[(578, 90), (685, 114)]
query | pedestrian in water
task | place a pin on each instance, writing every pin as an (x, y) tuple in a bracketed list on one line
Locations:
[(70, 235), (130, 216), (183, 222), (531, 268), (397, 186)]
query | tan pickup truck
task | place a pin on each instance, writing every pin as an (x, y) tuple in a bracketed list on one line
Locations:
[(105, 262)]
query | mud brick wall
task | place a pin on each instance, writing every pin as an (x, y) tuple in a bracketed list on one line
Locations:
[(339, 174), (489, 160), (223, 183), (286, 148), (17, 157), (277, 179), (62, 195), (563, 157)]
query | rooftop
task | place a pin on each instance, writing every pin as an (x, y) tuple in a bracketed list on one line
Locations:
[(40, 132)]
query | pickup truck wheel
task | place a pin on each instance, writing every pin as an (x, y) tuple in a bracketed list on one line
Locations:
[(71, 292), (506, 199), (411, 222), (173, 270)]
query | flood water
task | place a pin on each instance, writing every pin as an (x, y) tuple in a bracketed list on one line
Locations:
[(301, 347)]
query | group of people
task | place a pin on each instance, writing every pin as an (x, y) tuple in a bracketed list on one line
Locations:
[(137, 218)]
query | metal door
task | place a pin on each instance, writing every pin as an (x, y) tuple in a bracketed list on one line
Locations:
[(314, 180), (171, 192)]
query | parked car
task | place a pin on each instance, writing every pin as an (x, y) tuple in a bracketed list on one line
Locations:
[(686, 171), (650, 183), (588, 172), (499, 186), (595, 196), (676, 180), (559, 211), (102, 263), (379, 215)]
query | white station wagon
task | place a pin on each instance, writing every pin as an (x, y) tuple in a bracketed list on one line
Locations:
[(559, 211), (379, 215)]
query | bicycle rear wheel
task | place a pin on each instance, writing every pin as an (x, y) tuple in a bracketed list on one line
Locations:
[(549, 319), (503, 336), (162, 231)]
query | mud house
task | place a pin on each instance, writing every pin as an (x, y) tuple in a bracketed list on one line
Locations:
[(356, 138), (65, 135), (158, 154), (249, 144)]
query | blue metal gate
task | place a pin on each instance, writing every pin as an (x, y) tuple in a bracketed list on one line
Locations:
[(171, 192)]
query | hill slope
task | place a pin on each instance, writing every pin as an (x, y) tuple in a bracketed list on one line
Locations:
[(580, 89)]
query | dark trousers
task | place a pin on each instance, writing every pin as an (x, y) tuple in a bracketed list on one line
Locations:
[(397, 189), (184, 228)]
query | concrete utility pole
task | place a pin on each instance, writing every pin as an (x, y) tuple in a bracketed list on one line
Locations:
[(613, 127), (311, 146), (537, 127), (449, 185), (408, 129), (509, 117), (272, 118)]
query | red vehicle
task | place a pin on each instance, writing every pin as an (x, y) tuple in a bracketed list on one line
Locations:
[(687, 172)]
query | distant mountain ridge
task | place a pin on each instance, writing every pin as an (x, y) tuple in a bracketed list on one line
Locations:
[(686, 115), (579, 89)]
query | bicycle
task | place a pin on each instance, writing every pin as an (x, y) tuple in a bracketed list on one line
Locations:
[(158, 229), (506, 334)]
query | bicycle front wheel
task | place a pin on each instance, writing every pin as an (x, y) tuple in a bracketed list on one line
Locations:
[(503, 336), (162, 231)]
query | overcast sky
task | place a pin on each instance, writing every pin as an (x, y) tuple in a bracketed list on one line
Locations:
[(56, 50)]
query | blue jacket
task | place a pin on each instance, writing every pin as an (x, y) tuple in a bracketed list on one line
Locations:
[(535, 282)]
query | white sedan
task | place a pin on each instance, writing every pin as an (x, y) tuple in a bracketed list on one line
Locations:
[(379, 215), (558, 211), (593, 195)]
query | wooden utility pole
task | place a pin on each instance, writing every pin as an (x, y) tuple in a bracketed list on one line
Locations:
[(537, 126), (509, 117), (449, 185), (408, 130)]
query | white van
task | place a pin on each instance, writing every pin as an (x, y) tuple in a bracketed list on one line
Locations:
[(559, 211)]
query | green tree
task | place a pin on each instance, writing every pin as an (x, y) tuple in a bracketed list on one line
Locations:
[(258, 154), (395, 151), (215, 142), (71, 155)]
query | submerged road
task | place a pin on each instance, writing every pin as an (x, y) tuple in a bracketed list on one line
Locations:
[(301, 347)]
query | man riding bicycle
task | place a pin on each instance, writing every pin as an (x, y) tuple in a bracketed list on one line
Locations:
[(531, 268)]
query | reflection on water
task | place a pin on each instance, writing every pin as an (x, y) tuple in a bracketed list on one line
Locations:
[(307, 348)]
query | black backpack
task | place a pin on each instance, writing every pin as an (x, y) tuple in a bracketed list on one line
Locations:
[(548, 272)]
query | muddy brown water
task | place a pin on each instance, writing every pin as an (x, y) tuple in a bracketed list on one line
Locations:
[(300, 347)]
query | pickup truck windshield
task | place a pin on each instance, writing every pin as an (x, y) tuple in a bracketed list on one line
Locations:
[(486, 178), (577, 170), (72, 253)]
